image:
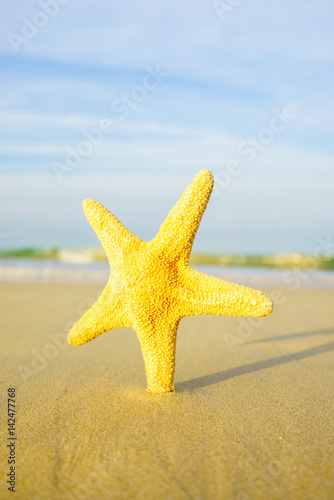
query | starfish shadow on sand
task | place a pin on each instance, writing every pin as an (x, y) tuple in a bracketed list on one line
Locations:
[(325, 331), (217, 377)]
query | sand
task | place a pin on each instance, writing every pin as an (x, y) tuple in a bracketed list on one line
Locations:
[(251, 418)]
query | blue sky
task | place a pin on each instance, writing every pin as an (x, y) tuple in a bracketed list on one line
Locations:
[(227, 76)]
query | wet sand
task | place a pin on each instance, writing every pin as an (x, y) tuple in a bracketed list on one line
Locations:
[(252, 416)]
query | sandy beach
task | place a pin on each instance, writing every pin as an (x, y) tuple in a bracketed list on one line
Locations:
[(251, 418)]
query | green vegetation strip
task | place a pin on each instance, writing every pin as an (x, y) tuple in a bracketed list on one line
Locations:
[(291, 261)]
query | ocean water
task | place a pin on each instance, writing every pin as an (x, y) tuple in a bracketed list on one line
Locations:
[(43, 270)]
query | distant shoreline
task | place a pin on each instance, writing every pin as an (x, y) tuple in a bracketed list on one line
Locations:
[(91, 255), (82, 270)]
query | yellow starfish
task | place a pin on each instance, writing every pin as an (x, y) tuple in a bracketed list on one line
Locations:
[(151, 286)]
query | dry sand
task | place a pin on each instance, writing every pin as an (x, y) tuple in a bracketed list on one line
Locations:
[(251, 418)]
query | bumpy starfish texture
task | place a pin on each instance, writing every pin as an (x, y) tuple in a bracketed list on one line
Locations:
[(151, 286)]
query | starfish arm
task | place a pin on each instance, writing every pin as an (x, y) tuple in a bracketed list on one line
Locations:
[(151, 287), (204, 294), (177, 233), (106, 313), (158, 345), (114, 236)]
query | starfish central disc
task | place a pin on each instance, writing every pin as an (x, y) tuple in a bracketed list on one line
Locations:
[(151, 286)]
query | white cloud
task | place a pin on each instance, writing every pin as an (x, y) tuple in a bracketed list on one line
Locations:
[(10, 118), (158, 147), (37, 210), (226, 77), (15, 119), (187, 38)]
